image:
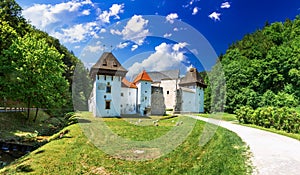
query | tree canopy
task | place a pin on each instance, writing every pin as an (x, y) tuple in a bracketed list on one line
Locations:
[(263, 69)]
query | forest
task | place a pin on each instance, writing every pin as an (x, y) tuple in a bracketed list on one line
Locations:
[(262, 77), (36, 71)]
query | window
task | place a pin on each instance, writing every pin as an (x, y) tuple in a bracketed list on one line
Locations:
[(115, 64), (129, 93), (112, 78), (122, 94), (145, 91), (145, 98), (97, 77), (105, 77), (168, 92), (108, 89), (107, 104), (104, 63)]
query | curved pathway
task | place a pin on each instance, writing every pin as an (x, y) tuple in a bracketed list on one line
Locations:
[(273, 154)]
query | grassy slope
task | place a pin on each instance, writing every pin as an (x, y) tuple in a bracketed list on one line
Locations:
[(75, 154), (16, 126)]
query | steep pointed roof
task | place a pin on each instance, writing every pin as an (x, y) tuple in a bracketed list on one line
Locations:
[(192, 77), (143, 76), (108, 65), (126, 83)]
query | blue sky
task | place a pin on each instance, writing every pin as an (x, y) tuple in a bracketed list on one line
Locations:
[(154, 35)]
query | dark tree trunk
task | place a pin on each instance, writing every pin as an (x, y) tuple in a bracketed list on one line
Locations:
[(36, 113)]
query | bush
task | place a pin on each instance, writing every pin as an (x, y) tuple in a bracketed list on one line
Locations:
[(287, 119)]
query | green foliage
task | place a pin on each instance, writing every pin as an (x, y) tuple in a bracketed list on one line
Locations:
[(25, 52), (263, 68), (286, 119), (35, 73)]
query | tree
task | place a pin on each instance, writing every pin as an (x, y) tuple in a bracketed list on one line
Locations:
[(37, 73)]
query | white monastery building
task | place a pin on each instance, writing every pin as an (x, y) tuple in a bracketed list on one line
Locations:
[(151, 93)]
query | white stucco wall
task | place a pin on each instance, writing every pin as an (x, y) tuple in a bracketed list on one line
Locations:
[(114, 97), (144, 95), (128, 100), (188, 101), (92, 100), (169, 86)]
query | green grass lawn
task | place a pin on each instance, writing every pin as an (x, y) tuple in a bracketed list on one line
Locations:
[(220, 116), (225, 153)]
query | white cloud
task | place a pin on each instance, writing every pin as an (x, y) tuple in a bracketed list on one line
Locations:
[(93, 49), (171, 17), (225, 5), (215, 16), (195, 10), (188, 68), (77, 47), (86, 12), (167, 35), (122, 45), (165, 57), (76, 33), (191, 2), (45, 15), (176, 29), (102, 30), (135, 30), (195, 51), (134, 47), (114, 10)]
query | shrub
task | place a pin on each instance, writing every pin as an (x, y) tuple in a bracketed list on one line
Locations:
[(287, 119)]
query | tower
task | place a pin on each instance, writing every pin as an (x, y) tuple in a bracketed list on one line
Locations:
[(191, 92), (107, 74), (143, 83)]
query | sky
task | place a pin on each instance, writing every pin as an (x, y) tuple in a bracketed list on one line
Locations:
[(154, 35)]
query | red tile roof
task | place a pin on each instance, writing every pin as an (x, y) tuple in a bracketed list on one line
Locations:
[(126, 83), (143, 76)]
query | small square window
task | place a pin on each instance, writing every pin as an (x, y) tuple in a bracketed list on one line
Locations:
[(145, 91), (145, 98), (108, 89), (129, 93), (107, 104), (168, 92), (122, 94)]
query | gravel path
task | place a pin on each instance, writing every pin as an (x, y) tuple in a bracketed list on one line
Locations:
[(273, 154)]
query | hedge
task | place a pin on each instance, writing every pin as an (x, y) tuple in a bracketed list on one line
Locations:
[(287, 119)]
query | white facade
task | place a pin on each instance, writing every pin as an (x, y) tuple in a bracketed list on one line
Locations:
[(107, 98), (144, 96), (128, 100), (169, 91)]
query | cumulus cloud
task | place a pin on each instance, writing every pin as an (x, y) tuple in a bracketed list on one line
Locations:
[(86, 12), (165, 57), (225, 5), (43, 15), (93, 49), (135, 30), (77, 33), (166, 35), (114, 11), (215, 16), (171, 17), (122, 45), (195, 10), (134, 47)]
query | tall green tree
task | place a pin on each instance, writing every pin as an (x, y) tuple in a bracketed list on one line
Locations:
[(37, 73)]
